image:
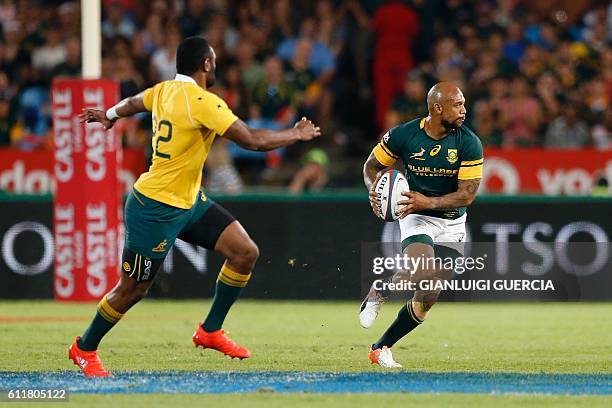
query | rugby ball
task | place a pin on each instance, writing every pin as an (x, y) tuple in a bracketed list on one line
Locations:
[(389, 190)]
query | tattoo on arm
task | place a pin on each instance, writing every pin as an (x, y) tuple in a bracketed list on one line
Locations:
[(465, 194), (472, 186)]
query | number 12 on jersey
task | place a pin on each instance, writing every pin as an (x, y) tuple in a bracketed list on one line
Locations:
[(163, 133)]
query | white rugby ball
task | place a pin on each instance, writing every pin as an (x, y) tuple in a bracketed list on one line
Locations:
[(389, 190)]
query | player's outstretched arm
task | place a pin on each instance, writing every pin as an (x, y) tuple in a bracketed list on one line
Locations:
[(127, 107), (266, 139), (463, 197), (372, 171)]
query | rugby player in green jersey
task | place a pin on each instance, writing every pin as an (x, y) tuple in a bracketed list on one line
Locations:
[(443, 161)]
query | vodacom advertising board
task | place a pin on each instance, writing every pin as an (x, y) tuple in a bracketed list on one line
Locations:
[(87, 210), (551, 172)]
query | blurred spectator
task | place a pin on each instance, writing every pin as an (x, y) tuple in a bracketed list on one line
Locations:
[(485, 122), (163, 60), (596, 97), (72, 65), (322, 61), (410, 103), (601, 185), (195, 17), (520, 116), (282, 22), (5, 122), (274, 94), (567, 131), (8, 11), (514, 46), (396, 25), (602, 132), (549, 94), (329, 31), (533, 62), (153, 34), (221, 175), (357, 25), (117, 23), (130, 81), (34, 116), (251, 70), (233, 91), (69, 18), (140, 57), (485, 70), (596, 31), (228, 35), (52, 53), (313, 174), (541, 34), (298, 71), (306, 88)]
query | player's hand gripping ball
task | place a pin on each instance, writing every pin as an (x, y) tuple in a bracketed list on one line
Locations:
[(389, 189)]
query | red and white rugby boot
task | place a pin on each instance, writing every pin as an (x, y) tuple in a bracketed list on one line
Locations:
[(383, 357), (88, 361), (219, 341)]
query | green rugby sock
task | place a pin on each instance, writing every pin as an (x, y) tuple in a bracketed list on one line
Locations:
[(105, 319), (405, 322), (228, 289)]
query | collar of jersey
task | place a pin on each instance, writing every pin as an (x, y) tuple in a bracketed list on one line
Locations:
[(184, 78)]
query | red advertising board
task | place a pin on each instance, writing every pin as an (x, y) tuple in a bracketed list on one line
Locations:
[(87, 200), (31, 172), (526, 171), (544, 171)]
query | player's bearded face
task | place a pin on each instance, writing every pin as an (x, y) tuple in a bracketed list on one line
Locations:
[(453, 115)]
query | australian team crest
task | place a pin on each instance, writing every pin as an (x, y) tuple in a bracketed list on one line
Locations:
[(451, 156)]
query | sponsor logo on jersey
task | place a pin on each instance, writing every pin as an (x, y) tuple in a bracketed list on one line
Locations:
[(435, 150), (451, 156), (419, 155), (161, 247), (126, 266), (432, 171)]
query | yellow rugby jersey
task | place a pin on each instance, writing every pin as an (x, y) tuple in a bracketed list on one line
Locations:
[(186, 119)]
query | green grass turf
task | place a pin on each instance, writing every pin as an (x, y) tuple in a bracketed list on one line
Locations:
[(318, 336), (339, 400)]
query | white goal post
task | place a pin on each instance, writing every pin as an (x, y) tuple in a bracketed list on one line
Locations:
[(91, 39)]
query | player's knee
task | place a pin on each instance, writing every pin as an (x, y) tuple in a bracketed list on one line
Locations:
[(250, 253), (246, 255)]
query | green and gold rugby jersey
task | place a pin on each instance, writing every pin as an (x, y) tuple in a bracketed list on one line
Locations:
[(433, 167)]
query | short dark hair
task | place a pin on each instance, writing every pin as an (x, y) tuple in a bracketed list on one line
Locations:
[(190, 55)]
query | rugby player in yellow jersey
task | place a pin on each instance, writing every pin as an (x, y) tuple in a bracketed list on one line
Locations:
[(166, 201)]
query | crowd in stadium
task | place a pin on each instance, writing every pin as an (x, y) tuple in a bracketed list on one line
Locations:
[(533, 73)]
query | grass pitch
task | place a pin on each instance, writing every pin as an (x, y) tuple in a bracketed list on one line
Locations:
[(322, 336), (318, 336)]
